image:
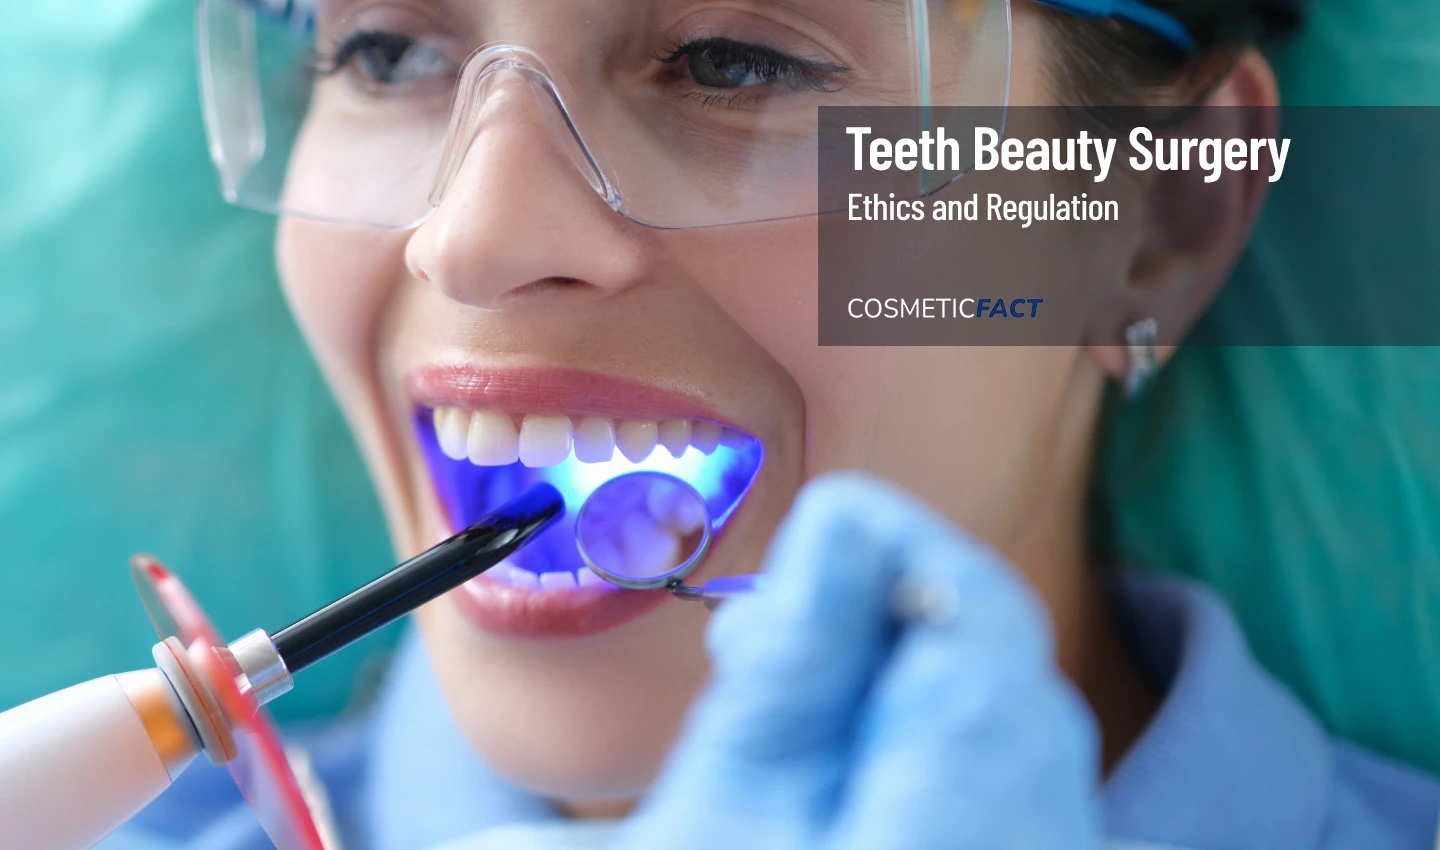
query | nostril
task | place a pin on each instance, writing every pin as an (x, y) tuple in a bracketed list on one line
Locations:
[(414, 264), (549, 284)]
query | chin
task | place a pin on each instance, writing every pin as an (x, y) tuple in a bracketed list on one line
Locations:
[(571, 719), (589, 716)]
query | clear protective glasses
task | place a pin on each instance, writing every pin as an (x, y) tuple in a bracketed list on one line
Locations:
[(678, 113)]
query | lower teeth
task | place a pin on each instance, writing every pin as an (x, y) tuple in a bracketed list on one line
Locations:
[(515, 576)]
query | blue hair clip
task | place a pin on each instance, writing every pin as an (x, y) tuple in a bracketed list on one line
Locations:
[(1137, 12)]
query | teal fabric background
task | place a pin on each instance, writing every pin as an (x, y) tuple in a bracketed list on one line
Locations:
[(1304, 483), (154, 392)]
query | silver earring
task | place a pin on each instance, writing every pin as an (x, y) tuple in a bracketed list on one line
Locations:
[(1140, 340)]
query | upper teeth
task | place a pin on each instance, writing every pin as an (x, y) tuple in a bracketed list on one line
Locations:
[(493, 438)]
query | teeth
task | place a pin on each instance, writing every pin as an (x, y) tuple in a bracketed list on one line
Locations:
[(730, 438), (705, 436), (605, 553), (636, 439), (675, 510), (545, 440), (451, 423), (595, 440), (519, 577), (648, 548), (558, 581), (493, 440), (515, 577), (674, 435)]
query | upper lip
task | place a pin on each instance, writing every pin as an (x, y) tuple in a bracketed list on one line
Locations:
[(550, 390)]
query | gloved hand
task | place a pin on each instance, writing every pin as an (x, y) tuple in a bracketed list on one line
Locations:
[(830, 724)]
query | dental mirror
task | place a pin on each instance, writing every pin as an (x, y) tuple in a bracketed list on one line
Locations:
[(643, 530), (649, 531)]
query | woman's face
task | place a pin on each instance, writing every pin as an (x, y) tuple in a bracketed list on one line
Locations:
[(525, 296)]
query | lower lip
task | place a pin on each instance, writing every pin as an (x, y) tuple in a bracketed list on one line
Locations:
[(502, 609)]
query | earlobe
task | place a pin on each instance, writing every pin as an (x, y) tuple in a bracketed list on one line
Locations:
[(1137, 359), (1194, 231)]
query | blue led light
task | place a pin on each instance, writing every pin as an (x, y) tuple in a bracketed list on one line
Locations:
[(468, 492)]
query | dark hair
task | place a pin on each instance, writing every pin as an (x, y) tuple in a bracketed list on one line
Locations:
[(1109, 62)]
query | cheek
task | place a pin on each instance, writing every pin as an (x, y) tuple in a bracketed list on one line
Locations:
[(338, 280), (964, 428), (763, 277), (950, 424)]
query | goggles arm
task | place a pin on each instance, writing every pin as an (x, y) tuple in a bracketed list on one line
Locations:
[(1137, 12)]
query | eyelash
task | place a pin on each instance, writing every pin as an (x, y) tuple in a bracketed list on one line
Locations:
[(770, 65), (331, 63)]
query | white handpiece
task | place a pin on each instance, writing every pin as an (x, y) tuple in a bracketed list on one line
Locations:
[(77, 764)]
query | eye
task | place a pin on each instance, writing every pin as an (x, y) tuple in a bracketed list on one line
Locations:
[(389, 58), (721, 63)]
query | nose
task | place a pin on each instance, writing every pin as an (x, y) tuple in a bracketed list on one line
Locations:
[(519, 219)]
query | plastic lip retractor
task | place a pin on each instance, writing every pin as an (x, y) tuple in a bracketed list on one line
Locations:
[(650, 531)]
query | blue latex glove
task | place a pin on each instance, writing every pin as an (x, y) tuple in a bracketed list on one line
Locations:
[(829, 725)]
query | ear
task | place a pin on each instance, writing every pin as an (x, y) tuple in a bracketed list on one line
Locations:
[(1193, 231)]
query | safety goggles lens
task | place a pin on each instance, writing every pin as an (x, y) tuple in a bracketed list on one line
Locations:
[(679, 113)]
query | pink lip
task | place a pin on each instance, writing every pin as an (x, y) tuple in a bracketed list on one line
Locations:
[(543, 390), (518, 612)]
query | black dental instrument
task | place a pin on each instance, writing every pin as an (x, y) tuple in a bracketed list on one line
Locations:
[(114, 743), (420, 579)]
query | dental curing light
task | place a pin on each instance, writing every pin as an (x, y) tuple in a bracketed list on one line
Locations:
[(77, 764)]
